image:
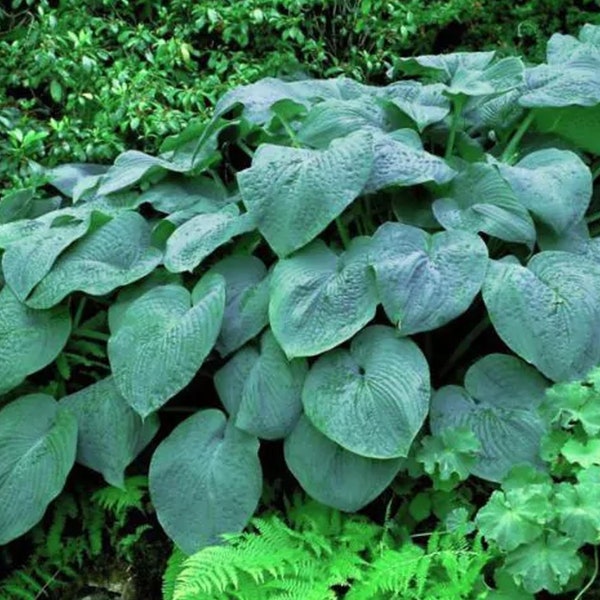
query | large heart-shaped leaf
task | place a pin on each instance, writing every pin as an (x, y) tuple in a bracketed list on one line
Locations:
[(247, 292), (425, 280), (262, 390), (171, 336), (115, 255), (446, 65), (400, 160), (38, 444), (555, 185), (29, 339), (193, 241), (27, 261), (332, 475), (479, 199), (424, 104), (373, 398), (71, 179), (499, 405), (111, 433), (205, 480), (294, 193), (548, 312), (319, 299)]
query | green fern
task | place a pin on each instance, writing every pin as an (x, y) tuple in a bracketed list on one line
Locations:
[(315, 550)]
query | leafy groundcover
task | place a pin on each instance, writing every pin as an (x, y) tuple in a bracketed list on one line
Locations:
[(373, 283)]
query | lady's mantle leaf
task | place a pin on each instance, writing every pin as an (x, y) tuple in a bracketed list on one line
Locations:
[(332, 475), (115, 255), (319, 300), (205, 480), (372, 399), (262, 391), (479, 199), (555, 185), (193, 241), (499, 404), (425, 280), (548, 312), (111, 433), (29, 339), (170, 337), (247, 292), (295, 193), (38, 443)]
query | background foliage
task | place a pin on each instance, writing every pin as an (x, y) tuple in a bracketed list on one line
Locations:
[(81, 81)]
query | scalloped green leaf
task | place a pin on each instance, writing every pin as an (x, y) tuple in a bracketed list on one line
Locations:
[(113, 256), (171, 335), (399, 160), (320, 299), (205, 480), (373, 398), (38, 444), (262, 390), (247, 293), (499, 403), (554, 185), (295, 193), (548, 312), (29, 339), (199, 237), (480, 200), (332, 475), (111, 433), (424, 281)]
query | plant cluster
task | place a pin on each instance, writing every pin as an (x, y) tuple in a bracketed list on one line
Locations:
[(83, 81), (314, 265)]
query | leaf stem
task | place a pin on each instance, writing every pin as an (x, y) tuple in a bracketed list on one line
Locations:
[(79, 312), (457, 106), (596, 173), (243, 146), (510, 150), (462, 348), (343, 231), (291, 133), (589, 584), (91, 334)]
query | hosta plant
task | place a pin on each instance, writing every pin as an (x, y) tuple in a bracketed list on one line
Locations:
[(312, 265)]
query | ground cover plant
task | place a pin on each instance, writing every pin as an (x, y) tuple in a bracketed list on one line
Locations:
[(82, 81), (373, 284)]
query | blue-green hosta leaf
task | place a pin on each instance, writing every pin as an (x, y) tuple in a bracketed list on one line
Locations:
[(499, 403), (27, 261), (332, 475), (258, 98), (72, 179), (247, 293), (205, 480), (196, 239), (29, 339), (497, 113), (319, 299), (424, 281), (262, 390), (295, 193), (548, 312), (333, 119), (576, 239), (445, 65), (479, 199), (111, 433), (132, 166), (424, 104), (113, 256), (38, 444), (373, 398), (174, 194), (499, 77), (554, 185), (400, 160), (171, 335)]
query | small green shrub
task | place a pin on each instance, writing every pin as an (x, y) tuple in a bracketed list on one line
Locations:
[(323, 263)]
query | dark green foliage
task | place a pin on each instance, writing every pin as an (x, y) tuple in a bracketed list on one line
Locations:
[(81, 81)]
